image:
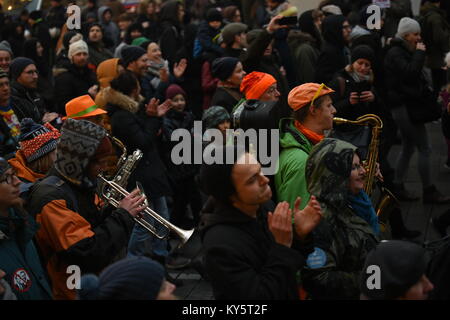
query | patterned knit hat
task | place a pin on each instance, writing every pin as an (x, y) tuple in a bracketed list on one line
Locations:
[(214, 116), (37, 140), (79, 142)]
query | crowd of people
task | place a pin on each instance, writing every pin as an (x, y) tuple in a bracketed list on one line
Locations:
[(138, 74)]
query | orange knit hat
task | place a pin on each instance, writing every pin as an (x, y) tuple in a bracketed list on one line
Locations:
[(306, 93), (255, 84), (82, 107)]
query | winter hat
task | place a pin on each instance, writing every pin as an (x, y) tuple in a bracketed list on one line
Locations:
[(231, 30), (78, 143), (401, 264), (139, 41), (132, 278), (214, 116), (223, 68), (3, 74), (331, 9), (107, 71), (5, 46), (131, 53), (363, 52), (252, 35), (71, 37), (255, 84), (407, 25), (213, 15), (77, 47), (173, 90), (18, 65), (82, 107), (302, 95), (215, 179), (37, 140)]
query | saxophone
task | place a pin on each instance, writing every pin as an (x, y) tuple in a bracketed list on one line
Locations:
[(125, 167), (387, 200)]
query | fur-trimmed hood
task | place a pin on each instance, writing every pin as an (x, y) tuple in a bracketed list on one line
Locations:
[(108, 96)]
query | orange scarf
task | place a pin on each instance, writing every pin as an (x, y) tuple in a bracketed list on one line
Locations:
[(309, 134)]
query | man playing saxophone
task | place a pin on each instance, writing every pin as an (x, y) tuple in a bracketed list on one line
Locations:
[(73, 229)]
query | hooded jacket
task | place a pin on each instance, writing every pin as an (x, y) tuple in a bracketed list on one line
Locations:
[(334, 54), (242, 258), (305, 53), (290, 181), (343, 239), (131, 125), (404, 77), (19, 257), (111, 30), (74, 230)]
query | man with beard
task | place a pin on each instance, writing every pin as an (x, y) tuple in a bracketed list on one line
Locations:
[(24, 76)]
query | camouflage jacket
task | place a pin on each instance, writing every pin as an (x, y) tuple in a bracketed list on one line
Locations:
[(343, 239)]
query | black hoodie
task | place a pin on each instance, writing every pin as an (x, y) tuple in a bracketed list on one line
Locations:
[(242, 258), (334, 55)]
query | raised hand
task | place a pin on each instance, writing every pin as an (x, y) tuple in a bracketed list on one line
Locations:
[(273, 24), (151, 107), (280, 224), (179, 68), (307, 219)]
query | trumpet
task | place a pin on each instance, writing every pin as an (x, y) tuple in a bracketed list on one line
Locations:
[(166, 227)]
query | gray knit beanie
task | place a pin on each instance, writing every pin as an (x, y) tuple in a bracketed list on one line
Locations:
[(407, 25)]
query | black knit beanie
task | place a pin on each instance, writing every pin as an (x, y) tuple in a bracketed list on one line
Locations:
[(363, 52), (132, 278), (215, 179), (131, 53), (213, 15), (18, 65), (223, 68), (401, 265)]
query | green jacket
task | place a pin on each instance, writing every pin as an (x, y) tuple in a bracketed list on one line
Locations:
[(435, 34), (290, 181), (343, 239)]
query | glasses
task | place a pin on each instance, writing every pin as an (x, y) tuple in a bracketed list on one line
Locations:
[(272, 91), (318, 93), (8, 178)]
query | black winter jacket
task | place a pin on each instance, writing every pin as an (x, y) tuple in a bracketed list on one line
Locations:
[(405, 81), (242, 258), (334, 54), (139, 131), (26, 103), (71, 83)]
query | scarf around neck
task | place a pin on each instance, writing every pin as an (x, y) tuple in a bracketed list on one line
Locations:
[(364, 209), (309, 134)]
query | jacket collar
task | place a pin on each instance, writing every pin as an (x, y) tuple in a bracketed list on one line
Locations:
[(121, 100)]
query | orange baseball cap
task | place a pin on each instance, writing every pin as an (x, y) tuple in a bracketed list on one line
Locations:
[(82, 107), (306, 93)]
